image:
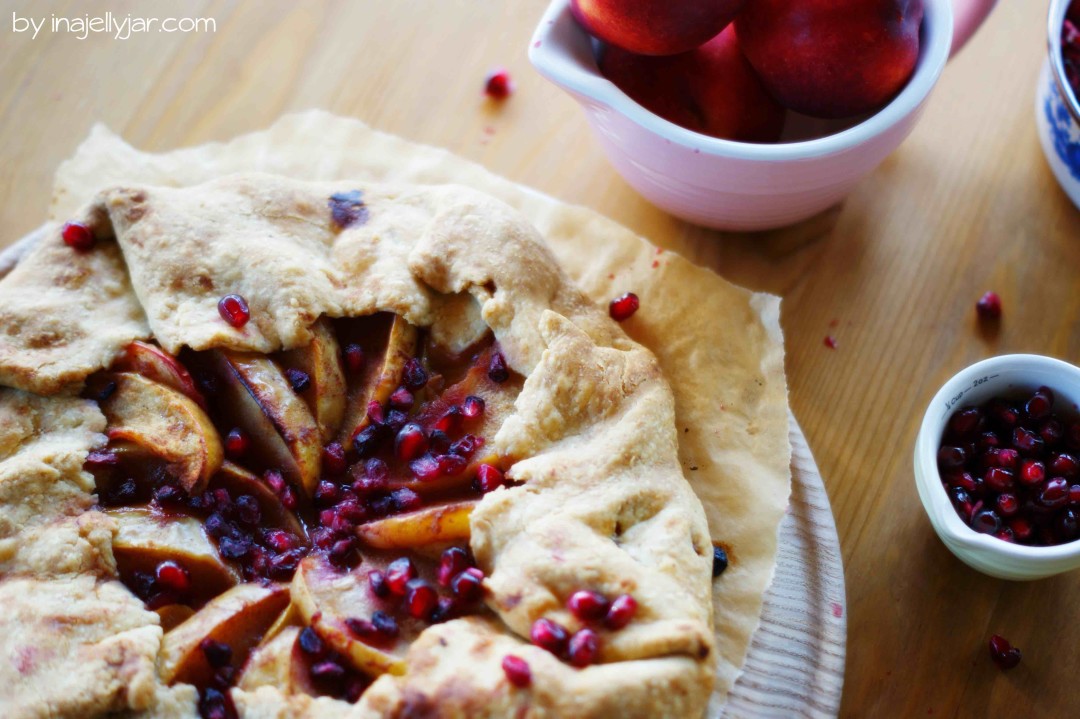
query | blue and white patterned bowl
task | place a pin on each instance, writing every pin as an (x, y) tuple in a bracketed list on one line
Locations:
[(1057, 112)]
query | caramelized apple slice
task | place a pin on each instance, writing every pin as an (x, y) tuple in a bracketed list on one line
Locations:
[(256, 396), (386, 349), (145, 538), (434, 524), (277, 662), (167, 424), (326, 390), (156, 364), (237, 618), (457, 331), (173, 615), (239, 481), (326, 598)]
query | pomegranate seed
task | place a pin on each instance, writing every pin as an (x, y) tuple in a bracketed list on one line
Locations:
[(414, 376), (1005, 655), (1074, 494), (420, 598), (402, 399), (237, 443), (384, 624), (497, 370), (1007, 458), (327, 671), (451, 421), (830, 342), (467, 587), (1006, 535), (439, 441), (354, 358), (275, 480), (451, 465), (584, 648), (78, 236), (620, 613), (466, 446), (299, 380), (1027, 441), (375, 412), (453, 562), (998, 479), (348, 208), (1051, 432), (1067, 525), (234, 310), (288, 498), (1032, 472), (398, 573), (1007, 504), (951, 457), (213, 704), (989, 440), (1055, 493), (472, 407), (377, 582), (720, 560), (280, 541), (549, 635), (102, 458), (333, 459), (989, 306), (965, 422), (310, 642), (322, 538), (587, 605), (368, 440), (172, 576), (218, 654), (426, 468), (341, 549), (1039, 405), (405, 500), (517, 671), (986, 522), (498, 85), (446, 610), (1004, 413), (410, 442), (488, 478), (1064, 465), (623, 307), (1021, 528)]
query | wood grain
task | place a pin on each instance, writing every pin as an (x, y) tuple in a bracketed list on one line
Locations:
[(966, 205)]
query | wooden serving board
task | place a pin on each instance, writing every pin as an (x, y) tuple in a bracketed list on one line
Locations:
[(795, 665)]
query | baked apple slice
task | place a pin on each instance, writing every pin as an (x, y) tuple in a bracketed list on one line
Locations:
[(173, 615), (146, 538), (277, 662), (337, 603), (318, 370), (445, 523), (167, 424), (239, 482), (386, 343), (254, 393), (236, 619), (156, 364)]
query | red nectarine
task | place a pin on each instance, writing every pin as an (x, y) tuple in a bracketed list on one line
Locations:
[(711, 90), (832, 58), (655, 27)]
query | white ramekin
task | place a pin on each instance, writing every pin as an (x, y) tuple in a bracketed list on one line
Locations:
[(978, 383)]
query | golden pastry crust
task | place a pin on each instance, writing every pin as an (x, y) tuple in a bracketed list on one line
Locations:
[(600, 500)]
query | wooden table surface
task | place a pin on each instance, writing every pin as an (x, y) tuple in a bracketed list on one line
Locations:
[(967, 204)]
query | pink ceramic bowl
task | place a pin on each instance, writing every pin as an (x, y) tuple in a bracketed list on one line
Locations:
[(736, 185)]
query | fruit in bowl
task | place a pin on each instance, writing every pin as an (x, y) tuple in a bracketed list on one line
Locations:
[(832, 58), (711, 89), (655, 27)]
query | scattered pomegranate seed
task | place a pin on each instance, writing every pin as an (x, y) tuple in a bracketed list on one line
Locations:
[(398, 574), (549, 635), (488, 478), (588, 605), (172, 576), (237, 443), (275, 480), (288, 498), (472, 407), (102, 458), (830, 342), (989, 306), (414, 376), (450, 421), (410, 442), (517, 671), (348, 208), (719, 561), (498, 85), (467, 587), (584, 648), (951, 457), (405, 500), (1007, 504), (621, 612), (426, 468), (214, 704), (420, 598), (497, 370), (451, 465), (1032, 472), (234, 310), (1004, 654), (310, 642), (624, 306), (327, 671), (354, 358), (453, 562), (333, 459), (299, 380), (402, 399), (218, 654), (999, 480), (377, 582), (1007, 458), (78, 236)]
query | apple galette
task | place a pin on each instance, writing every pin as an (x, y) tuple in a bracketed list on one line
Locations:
[(274, 448)]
